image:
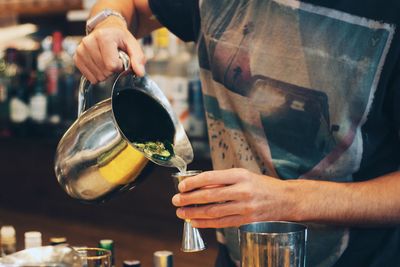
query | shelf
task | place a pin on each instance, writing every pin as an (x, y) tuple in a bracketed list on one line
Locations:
[(37, 7)]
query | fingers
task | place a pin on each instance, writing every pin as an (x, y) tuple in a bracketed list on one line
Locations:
[(228, 214), (206, 196), (135, 53), (97, 55), (84, 69), (110, 57), (217, 210), (228, 221), (102, 59), (213, 216), (88, 60), (212, 178), (210, 211), (93, 60)]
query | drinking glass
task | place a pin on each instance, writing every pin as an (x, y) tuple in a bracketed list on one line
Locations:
[(191, 239), (94, 257)]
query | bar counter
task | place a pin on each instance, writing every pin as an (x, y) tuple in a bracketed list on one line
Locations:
[(140, 221)]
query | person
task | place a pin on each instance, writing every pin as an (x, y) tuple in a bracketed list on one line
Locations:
[(302, 100)]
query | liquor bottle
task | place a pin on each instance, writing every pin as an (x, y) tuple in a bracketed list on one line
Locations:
[(68, 92), (147, 46), (7, 240), (162, 44), (19, 108), (156, 66), (4, 102), (109, 245), (18, 111), (45, 57), (163, 258), (33, 239), (11, 69), (38, 101), (177, 87), (54, 81)]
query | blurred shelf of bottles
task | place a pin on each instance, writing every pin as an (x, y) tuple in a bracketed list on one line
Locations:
[(39, 88)]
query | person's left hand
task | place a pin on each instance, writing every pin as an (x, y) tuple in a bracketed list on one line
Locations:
[(234, 197)]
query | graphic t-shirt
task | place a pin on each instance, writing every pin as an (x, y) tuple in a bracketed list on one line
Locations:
[(301, 89)]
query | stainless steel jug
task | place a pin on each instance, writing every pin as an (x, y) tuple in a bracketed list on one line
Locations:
[(96, 158)]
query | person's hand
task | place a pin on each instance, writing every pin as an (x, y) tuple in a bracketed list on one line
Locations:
[(97, 55), (237, 196)]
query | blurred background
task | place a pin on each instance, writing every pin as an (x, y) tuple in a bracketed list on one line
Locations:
[(38, 102)]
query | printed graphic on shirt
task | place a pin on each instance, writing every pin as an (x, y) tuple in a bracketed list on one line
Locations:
[(296, 68), (287, 87)]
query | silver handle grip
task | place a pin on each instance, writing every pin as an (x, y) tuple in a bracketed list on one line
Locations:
[(84, 84)]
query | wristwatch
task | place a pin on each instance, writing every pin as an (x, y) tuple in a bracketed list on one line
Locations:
[(99, 17)]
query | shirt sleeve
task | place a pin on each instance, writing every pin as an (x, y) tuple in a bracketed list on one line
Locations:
[(181, 17)]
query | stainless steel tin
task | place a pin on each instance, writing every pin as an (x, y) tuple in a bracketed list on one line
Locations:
[(273, 244)]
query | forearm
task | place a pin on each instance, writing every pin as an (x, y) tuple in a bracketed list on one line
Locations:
[(137, 13), (369, 203)]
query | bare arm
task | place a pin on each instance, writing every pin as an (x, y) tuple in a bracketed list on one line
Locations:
[(373, 202), (247, 197), (136, 12), (97, 55)]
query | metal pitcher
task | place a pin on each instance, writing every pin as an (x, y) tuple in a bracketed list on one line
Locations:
[(95, 159)]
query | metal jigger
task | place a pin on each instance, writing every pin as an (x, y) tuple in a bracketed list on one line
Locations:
[(191, 239)]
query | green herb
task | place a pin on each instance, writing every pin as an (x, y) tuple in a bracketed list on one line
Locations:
[(156, 150)]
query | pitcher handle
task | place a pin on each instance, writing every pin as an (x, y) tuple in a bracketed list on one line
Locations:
[(84, 84)]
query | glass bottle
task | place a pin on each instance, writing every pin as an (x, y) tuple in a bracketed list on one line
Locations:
[(109, 245), (54, 80), (7, 240), (38, 101), (33, 239), (19, 108), (4, 101)]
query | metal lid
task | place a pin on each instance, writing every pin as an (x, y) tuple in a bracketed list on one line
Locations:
[(106, 244), (7, 231), (163, 258)]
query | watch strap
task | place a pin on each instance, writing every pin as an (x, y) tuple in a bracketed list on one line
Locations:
[(101, 16)]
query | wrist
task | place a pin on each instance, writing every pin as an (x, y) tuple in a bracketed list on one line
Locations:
[(112, 22), (106, 17), (301, 194), (322, 201)]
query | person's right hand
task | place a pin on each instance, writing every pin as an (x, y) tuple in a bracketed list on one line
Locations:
[(97, 55)]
